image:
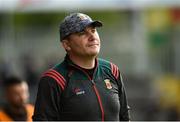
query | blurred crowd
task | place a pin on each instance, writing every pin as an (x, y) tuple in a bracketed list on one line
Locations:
[(18, 92), (16, 106)]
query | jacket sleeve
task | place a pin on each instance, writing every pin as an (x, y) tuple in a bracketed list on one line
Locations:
[(124, 110), (48, 97)]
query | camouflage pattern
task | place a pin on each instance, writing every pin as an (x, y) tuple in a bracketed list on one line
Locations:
[(76, 22)]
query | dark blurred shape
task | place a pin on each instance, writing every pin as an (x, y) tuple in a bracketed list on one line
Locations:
[(16, 107), (5, 71), (30, 69)]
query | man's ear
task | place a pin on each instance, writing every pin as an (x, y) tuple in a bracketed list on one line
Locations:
[(65, 44)]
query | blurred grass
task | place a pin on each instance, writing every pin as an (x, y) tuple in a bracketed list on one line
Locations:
[(109, 18)]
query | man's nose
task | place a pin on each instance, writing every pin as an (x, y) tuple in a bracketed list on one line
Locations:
[(22, 98), (91, 35)]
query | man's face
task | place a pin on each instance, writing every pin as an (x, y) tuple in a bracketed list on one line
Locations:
[(84, 44), (18, 94)]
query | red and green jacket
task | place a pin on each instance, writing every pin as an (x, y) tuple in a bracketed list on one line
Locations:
[(67, 92)]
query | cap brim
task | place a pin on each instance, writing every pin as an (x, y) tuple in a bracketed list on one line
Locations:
[(96, 24)]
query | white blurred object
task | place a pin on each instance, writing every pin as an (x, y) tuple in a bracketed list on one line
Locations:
[(68, 5)]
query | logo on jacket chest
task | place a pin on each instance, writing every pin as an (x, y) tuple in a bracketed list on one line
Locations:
[(108, 84), (79, 91)]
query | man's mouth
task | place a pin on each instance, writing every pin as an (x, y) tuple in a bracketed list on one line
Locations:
[(90, 45)]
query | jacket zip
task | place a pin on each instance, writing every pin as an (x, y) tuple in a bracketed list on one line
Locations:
[(95, 89)]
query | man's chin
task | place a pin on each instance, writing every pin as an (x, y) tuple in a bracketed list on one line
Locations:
[(93, 54), (19, 105)]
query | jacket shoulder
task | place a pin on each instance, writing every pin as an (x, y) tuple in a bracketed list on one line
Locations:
[(4, 116), (104, 64), (57, 74), (61, 68), (109, 66)]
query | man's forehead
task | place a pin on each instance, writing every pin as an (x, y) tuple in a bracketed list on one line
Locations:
[(18, 85), (77, 33)]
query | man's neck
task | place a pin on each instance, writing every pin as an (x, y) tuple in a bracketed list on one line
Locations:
[(84, 62), (16, 109)]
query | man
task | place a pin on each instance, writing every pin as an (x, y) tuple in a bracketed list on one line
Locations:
[(16, 93), (82, 87)]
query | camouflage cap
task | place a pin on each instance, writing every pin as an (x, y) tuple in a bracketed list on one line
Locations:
[(76, 22)]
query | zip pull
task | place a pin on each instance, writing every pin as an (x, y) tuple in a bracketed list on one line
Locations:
[(93, 82)]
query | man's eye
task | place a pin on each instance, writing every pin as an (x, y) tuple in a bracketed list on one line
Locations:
[(93, 30), (81, 33)]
